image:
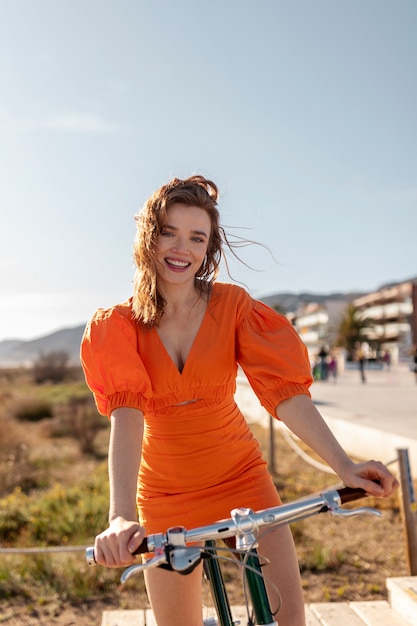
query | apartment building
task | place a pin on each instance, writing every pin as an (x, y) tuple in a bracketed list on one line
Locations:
[(317, 323), (392, 313), (392, 310)]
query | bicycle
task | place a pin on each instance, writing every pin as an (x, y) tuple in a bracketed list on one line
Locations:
[(172, 552)]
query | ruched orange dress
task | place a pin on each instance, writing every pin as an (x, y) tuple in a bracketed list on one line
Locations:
[(199, 458)]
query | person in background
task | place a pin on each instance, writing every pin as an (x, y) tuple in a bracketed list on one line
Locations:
[(361, 359), (387, 359), (163, 366), (323, 362), (332, 367)]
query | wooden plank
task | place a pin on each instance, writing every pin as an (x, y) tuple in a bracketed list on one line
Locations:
[(238, 612), (149, 618), (240, 615), (123, 618), (378, 613), (402, 594), (311, 619), (335, 614)]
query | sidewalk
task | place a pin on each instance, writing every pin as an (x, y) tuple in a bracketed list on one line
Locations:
[(375, 418), (371, 420)]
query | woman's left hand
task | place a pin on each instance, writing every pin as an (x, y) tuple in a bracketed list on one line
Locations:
[(372, 476)]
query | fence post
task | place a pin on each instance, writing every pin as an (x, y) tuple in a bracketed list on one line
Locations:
[(409, 506)]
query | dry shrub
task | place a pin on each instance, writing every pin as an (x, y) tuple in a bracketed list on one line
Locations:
[(15, 468), (31, 410), (79, 419), (51, 367)]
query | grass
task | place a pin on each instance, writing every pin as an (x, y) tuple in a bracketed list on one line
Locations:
[(63, 514), (62, 499), (57, 516)]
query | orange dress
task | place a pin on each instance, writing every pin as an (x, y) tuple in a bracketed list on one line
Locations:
[(199, 458)]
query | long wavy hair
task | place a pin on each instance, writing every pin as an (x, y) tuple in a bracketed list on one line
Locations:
[(148, 305)]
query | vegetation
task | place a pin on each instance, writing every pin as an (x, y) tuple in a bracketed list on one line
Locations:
[(51, 367), (32, 410), (54, 492), (351, 330)]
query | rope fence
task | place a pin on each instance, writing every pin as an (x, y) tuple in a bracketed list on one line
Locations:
[(290, 439), (45, 550)]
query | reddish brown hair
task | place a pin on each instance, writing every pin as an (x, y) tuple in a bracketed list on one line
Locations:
[(148, 304)]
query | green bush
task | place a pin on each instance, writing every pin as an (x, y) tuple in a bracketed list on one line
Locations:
[(58, 515), (13, 516), (58, 579)]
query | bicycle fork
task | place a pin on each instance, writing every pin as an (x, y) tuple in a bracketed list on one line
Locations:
[(256, 585), (257, 590), (218, 589)]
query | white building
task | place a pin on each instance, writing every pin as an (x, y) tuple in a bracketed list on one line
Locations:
[(392, 313), (317, 323)]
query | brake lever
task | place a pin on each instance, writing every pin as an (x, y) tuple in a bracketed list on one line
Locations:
[(332, 505), (156, 561), (363, 510)]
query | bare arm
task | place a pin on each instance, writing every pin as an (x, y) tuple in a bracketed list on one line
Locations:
[(125, 451), (303, 419), (114, 546)]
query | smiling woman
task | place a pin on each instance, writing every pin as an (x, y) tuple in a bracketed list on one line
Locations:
[(163, 367), (182, 244), (199, 196)]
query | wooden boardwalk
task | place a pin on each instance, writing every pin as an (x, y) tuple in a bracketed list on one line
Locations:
[(400, 610)]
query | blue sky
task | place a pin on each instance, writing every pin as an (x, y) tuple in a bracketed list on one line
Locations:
[(302, 111)]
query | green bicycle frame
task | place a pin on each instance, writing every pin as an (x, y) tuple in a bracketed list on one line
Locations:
[(256, 587), (217, 586), (257, 590)]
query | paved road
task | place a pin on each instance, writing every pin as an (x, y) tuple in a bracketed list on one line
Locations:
[(371, 420), (387, 401)]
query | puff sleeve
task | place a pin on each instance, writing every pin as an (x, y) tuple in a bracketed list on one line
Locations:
[(272, 355), (112, 366)]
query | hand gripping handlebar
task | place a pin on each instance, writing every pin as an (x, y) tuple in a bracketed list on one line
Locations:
[(170, 549)]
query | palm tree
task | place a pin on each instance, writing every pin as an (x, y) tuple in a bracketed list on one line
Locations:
[(351, 329)]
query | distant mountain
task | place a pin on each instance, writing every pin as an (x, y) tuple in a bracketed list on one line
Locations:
[(291, 302), (14, 352)]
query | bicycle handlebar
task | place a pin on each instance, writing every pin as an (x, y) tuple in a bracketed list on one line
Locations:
[(245, 524), (350, 494)]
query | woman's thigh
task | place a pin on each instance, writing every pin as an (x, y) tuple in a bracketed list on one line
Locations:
[(175, 599), (283, 573)]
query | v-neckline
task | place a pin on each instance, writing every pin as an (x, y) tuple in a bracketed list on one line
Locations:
[(169, 357)]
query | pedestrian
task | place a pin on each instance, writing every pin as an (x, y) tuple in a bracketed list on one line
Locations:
[(162, 367), (332, 368), (361, 359), (387, 359), (323, 362)]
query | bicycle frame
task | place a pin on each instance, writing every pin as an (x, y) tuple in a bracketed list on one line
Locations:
[(171, 549), (217, 587), (256, 586)]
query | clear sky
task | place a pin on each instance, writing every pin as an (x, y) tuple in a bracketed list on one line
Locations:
[(302, 111)]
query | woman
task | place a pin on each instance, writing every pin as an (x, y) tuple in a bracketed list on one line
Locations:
[(163, 366)]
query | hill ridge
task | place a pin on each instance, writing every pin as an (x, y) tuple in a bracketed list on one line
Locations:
[(23, 352)]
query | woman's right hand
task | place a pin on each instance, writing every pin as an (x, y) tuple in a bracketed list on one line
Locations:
[(115, 545)]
